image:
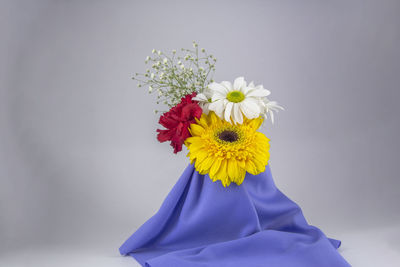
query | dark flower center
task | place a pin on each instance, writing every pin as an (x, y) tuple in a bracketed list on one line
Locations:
[(228, 136)]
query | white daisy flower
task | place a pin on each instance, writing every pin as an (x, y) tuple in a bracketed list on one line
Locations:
[(204, 100), (269, 107), (232, 102)]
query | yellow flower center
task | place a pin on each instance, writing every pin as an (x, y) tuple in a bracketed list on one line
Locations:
[(235, 96)]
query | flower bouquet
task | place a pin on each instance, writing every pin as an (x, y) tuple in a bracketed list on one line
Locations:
[(225, 209)]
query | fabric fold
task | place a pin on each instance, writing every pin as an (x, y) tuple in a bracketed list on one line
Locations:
[(202, 223)]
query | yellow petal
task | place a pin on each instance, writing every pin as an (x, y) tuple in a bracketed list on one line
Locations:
[(241, 164), (233, 170), (193, 140), (251, 167), (255, 123), (242, 175), (200, 156), (213, 118), (222, 173), (215, 167), (206, 164), (202, 121), (196, 130)]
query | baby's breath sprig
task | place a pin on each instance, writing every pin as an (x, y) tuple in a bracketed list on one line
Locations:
[(174, 76)]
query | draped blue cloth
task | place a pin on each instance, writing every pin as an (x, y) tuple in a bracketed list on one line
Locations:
[(203, 224)]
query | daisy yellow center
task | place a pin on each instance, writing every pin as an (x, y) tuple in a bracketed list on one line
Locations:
[(235, 96)]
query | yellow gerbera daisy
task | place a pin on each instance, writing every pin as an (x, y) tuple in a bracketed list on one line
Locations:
[(226, 151)]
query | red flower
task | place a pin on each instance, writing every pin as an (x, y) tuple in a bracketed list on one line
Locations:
[(177, 121)]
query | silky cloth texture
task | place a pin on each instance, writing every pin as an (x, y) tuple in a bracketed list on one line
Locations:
[(203, 224)]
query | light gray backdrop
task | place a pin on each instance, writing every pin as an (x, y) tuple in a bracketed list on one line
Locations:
[(80, 163)]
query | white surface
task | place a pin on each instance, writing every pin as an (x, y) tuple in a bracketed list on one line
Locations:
[(367, 248)]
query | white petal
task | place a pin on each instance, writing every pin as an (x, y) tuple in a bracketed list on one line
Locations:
[(247, 89), (250, 108), (237, 114), (218, 96), (216, 87), (239, 83), (200, 97), (220, 111), (214, 105), (227, 85), (205, 107), (218, 107), (228, 110), (271, 114), (259, 93), (273, 105), (208, 93)]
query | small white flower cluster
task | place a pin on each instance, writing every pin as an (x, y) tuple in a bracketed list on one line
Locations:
[(175, 76), (233, 102)]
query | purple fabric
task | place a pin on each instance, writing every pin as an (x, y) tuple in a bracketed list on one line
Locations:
[(203, 224)]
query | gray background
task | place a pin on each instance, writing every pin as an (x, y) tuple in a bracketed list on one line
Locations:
[(81, 168)]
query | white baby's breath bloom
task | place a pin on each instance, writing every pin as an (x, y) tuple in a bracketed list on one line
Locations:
[(233, 101), (173, 77)]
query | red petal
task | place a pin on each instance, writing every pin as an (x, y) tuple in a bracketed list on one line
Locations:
[(165, 135), (177, 121), (168, 122)]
